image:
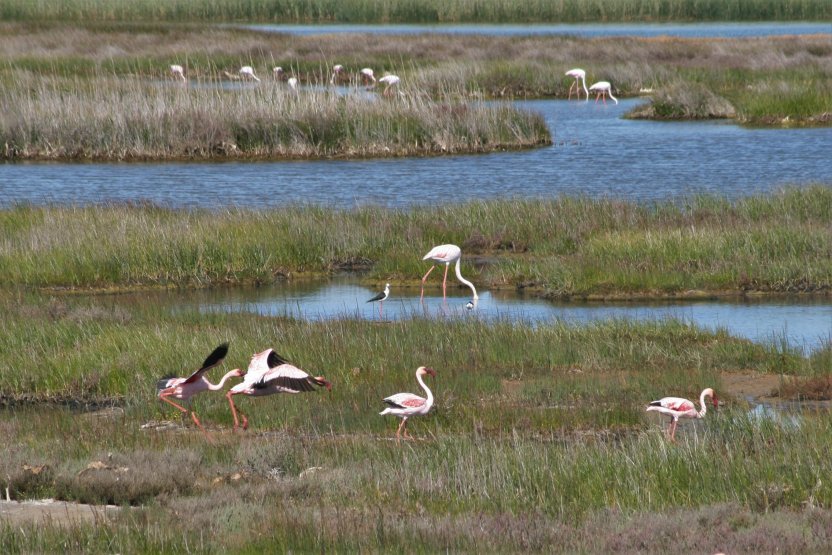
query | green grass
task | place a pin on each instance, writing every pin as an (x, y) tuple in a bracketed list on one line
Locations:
[(133, 119), (539, 437), (409, 11), (774, 243)]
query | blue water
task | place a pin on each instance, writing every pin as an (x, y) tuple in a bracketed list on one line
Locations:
[(596, 153), (800, 323), (691, 30)]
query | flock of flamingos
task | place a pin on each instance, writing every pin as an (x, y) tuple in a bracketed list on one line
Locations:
[(390, 81), (269, 373)]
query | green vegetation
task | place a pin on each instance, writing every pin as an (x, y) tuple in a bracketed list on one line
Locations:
[(411, 11), (591, 248), (758, 81), (539, 437), (131, 119)]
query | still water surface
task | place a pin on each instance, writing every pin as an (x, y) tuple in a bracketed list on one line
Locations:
[(804, 324), (596, 153)]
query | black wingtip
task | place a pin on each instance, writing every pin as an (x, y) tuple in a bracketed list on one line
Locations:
[(216, 356), (275, 360), (656, 404)]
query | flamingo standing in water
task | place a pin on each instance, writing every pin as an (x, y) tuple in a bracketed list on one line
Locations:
[(367, 76), (293, 84), (676, 408), (445, 254), (405, 405), (269, 373), (381, 297), (178, 72), (337, 71), (278, 73), (247, 72), (580, 79), (602, 89), (185, 388), (390, 82)]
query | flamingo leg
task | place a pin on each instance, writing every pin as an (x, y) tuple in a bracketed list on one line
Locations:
[(424, 278), (444, 281), (234, 412), (570, 91), (164, 397), (673, 433), (399, 430), (196, 421)]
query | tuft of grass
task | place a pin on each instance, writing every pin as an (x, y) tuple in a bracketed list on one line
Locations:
[(772, 243)]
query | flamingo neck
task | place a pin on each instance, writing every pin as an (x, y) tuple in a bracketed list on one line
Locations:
[(583, 82), (220, 385), (463, 280), (611, 96), (704, 408), (427, 390)]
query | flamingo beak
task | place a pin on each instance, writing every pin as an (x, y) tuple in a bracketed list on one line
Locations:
[(431, 372), (715, 401)]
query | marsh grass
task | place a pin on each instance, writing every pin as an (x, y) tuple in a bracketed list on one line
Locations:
[(131, 119), (757, 81), (508, 459), (405, 11), (592, 248)]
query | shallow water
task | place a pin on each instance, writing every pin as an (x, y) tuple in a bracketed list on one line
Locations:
[(596, 153), (691, 30), (803, 324)]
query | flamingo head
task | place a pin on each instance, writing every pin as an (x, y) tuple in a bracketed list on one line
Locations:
[(337, 68), (320, 380), (239, 373), (422, 370), (710, 393)]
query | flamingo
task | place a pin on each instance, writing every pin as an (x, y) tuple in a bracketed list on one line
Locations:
[(367, 75), (185, 388), (579, 75), (293, 84), (602, 89), (270, 373), (337, 70), (405, 405), (390, 81), (381, 297), (178, 71), (445, 254), (676, 408), (247, 72), (278, 73)]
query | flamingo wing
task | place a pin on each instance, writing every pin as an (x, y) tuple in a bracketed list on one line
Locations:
[(287, 377), (444, 253), (674, 403), (216, 357), (405, 401)]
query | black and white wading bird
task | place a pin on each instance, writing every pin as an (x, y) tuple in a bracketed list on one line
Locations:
[(380, 298), (185, 388)]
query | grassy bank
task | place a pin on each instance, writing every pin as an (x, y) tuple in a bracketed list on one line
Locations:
[(764, 81), (776, 243), (539, 437), (408, 11), (131, 119)]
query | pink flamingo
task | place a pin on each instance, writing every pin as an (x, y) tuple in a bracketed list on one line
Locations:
[(602, 89), (367, 75), (247, 72), (390, 82), (178, 71), (405, 405), (185, 388), (337, 71), (676, 408), (580, 78), (381, 297), (269, 373), (445, 254)]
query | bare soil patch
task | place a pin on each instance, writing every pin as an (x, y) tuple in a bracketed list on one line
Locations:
[(56, 513)]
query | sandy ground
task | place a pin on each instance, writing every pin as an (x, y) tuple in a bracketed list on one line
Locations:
[(750, 386), (49, 511)]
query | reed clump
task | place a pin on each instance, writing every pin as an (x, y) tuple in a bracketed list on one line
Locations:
[(429, 11), (772, 243), (130, 119)]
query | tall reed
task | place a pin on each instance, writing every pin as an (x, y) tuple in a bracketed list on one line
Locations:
[(118, 119), (429, 11)]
